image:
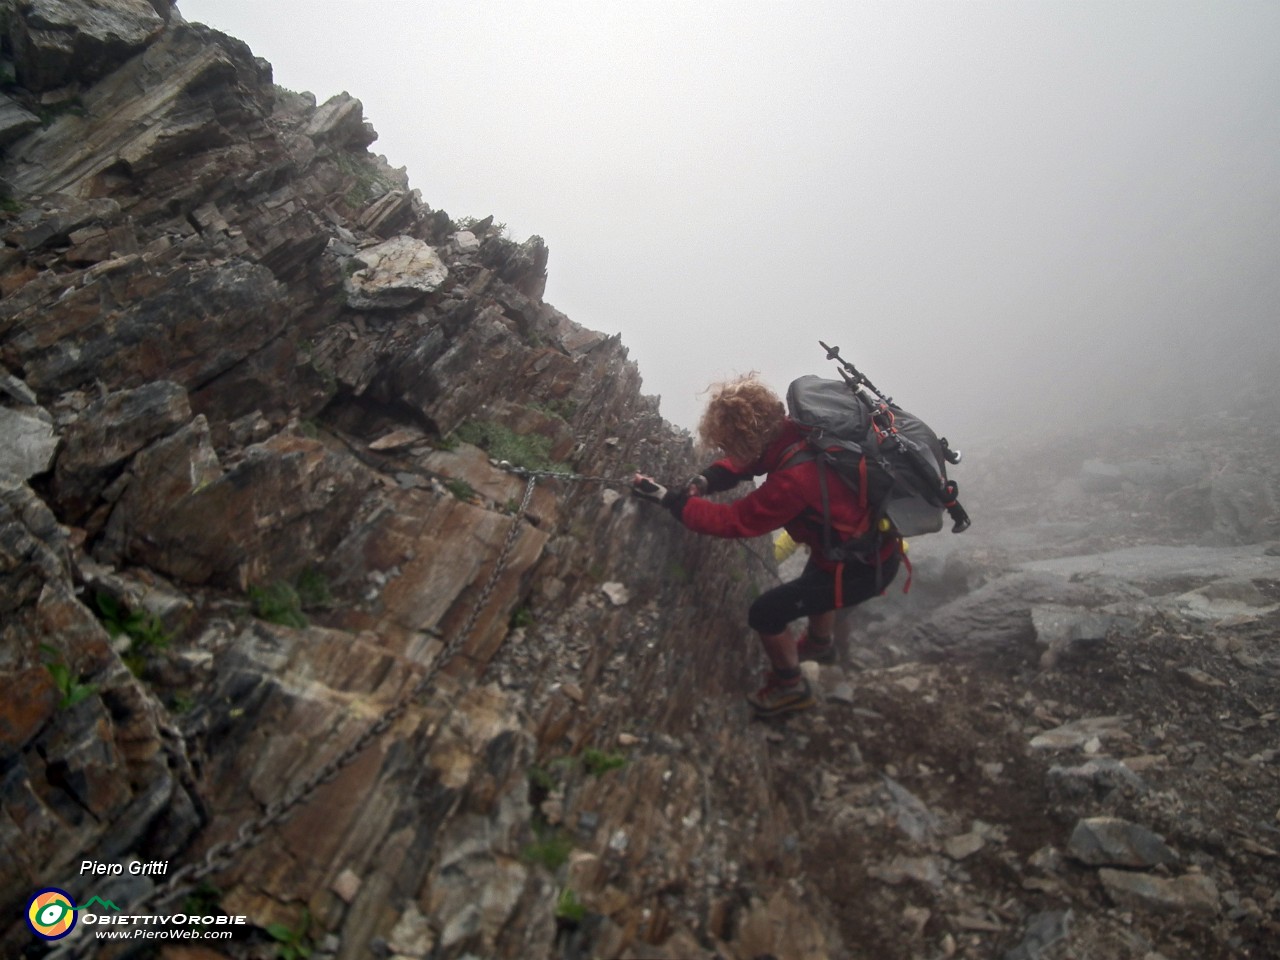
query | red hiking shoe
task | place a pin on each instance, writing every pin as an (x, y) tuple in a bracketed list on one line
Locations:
[(779, 696)]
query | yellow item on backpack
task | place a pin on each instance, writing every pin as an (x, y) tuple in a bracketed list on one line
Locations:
[(784, 546)]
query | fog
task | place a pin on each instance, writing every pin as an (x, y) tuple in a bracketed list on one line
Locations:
[(1010, 215)]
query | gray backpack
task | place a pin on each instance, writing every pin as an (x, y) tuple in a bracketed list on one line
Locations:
[(892, 460)]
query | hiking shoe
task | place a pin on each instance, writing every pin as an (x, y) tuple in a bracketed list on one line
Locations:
[(779, 696), (819, 651)]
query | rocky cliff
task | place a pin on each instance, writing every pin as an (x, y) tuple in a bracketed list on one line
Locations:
[(274, 614)]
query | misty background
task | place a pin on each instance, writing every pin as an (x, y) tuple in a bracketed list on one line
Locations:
[(1009, 215)]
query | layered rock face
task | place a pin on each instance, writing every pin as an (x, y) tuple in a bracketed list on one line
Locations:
[(271, 611), (243, 362)]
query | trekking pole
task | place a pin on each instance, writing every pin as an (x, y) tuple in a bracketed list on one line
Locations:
[(857, 380), (882, 421)]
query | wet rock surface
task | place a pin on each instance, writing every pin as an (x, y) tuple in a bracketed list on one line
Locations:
[(253, 396)]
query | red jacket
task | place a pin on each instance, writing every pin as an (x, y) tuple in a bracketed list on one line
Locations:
[(790, 497)]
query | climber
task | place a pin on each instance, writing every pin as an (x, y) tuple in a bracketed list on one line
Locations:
[(748, 422)]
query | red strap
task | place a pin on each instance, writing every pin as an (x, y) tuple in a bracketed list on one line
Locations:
[(839, 585)]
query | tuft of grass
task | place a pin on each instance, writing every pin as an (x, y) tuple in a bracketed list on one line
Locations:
[(551, 851), (531, 451), (561, 407), (598, 762), (313, 590), (569, 908), (145, 631), (522, 618), (292, 943), (460, 489), (67, 683), (204, 899), (278, 603)]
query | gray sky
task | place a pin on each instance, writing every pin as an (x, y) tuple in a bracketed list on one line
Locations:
[(997, 210)]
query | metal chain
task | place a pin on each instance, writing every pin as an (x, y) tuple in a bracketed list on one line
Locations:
[(220, 855), (510, 467)]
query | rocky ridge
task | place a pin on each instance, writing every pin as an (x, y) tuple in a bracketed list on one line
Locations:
[(251, 396)]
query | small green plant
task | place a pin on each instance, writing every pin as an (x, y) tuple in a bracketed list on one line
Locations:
[(10, 205), (597, 762), (145, 631), (292, 943), (67, 683), (203, 900), (460, 488), (523, 617), (181, 702), (278, 603), (561, 407), (547, 779), (551, 851), (528, 450), (569, 908), (313, 590), (541, 779)]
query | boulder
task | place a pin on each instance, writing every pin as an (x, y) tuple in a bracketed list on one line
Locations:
[(339, 122), (27, 441), (1191, 893), (394, 274), (1112, 842), (1242, 503)]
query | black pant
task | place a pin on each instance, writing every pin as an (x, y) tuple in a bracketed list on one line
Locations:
[(814, 591)]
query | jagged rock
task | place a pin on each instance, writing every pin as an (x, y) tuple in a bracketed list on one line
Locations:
[(926, 871), (1112, 842), (395, 274), (56, 42), (998, 614), (110, 431), (195, 324), (183, 515), (15, 121), (1225, 598), (907, 812), (964, 845), (339, 122), (1062, 629), (57, 218), (1043, 931), (617, 593), (1243, 503), (87, 775), (388, 214), (1193, 892), (1071, 736), (27, 441), (1091, 781)]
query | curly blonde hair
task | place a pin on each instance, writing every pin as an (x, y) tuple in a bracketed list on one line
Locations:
[(742, 418)]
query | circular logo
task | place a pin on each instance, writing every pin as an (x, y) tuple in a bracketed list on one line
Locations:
[(51, 914)]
